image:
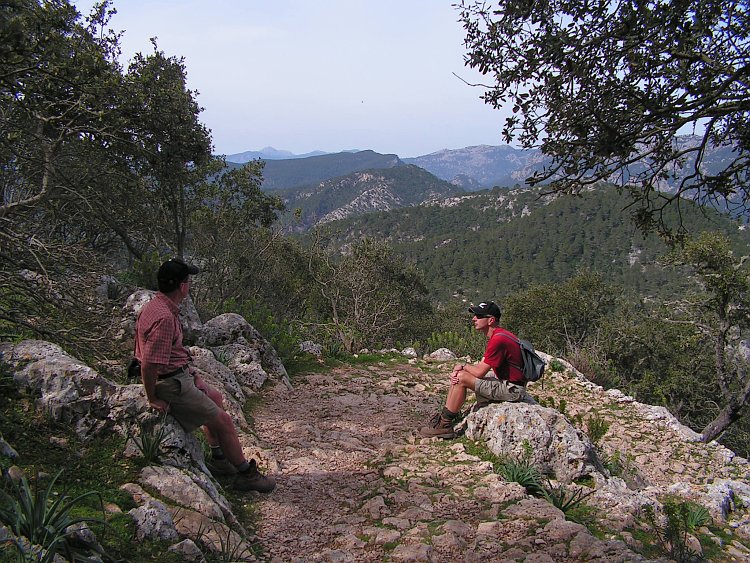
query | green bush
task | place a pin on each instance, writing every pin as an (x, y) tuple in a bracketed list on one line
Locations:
[(151, 438), (596, 427), (680, 519), (556, 365), (569, 502), (466, 342), (521, 471), (42, 516), (143, 272)]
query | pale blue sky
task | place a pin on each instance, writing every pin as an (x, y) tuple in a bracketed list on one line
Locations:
[(331, 75)]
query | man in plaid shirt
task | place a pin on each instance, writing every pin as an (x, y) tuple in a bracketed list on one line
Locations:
[(171, 387)]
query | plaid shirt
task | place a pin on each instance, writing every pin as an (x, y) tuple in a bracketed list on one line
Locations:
[(158, 335)]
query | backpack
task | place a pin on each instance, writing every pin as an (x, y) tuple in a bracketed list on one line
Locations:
[(533, 364)]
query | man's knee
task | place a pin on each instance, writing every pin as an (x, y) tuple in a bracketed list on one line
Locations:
[(216, 397), (222, 422), (465, 379), (211, 392)]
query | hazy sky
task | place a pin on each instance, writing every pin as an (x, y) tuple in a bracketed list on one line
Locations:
[(331, 75)]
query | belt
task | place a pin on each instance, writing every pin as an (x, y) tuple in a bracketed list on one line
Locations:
[(493, 376), (171, 373)]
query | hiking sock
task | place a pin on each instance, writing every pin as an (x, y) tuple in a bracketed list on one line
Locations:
[(448, 415), (217, 453)]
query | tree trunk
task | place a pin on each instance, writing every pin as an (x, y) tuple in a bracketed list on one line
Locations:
[(728, 415)]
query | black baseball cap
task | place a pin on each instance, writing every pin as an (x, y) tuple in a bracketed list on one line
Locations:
[(173, 272), (486, 309)]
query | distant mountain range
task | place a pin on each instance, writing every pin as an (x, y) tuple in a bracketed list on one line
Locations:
[(471, 168), (268, 153), (294, 173), (482, 166), (328, 187)]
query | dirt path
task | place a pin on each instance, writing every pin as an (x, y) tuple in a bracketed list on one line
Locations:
[(356, 484), (329, 439)]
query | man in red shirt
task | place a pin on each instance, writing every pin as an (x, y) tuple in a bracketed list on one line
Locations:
[(171, 387), (502, 356)]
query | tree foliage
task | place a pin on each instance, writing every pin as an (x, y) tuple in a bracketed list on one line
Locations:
[(368, 296), (510, 240), (720, 310), (98, 166), (561, 317), (604, 87), (59, 80)]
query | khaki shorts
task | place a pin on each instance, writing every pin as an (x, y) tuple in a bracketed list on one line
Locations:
[(188, 404), (494, 390)]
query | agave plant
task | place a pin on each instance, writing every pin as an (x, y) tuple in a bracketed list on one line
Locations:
[(43, 518), (567, 501), (523, 473), (151, 438)]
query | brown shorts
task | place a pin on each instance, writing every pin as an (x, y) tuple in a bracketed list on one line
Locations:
[(188, 404), (494, 390)]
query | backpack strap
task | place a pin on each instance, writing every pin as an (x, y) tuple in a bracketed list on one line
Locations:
[(517, 341)]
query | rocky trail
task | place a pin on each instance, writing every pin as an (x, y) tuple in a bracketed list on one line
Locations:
[(356, 483)]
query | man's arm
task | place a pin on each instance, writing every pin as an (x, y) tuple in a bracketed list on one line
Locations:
[(149, 376), (476, 371)]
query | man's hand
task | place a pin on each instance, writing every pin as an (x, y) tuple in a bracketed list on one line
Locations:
[(159, 405), (454, 374)]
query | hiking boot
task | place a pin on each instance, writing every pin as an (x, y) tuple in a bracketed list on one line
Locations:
[(253, 480), (221, 467), (439, 427)]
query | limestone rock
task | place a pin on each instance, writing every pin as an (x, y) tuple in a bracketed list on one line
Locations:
[(409, 352), (188, 551), (245, 362), (232, 328), (440, 355), (153, 521), (312, 348), (556, 446), (6, 450)]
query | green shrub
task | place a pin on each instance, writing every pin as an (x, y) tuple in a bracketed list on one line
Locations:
[(150, 439), (567, 501), (465, 342), (143, 273), (680, 519), (42, 516), (556, 365), (521, 472), (612, 463), (596, 428)]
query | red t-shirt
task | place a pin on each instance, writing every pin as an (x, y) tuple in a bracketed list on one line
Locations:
[(501, 352), (158, 335)]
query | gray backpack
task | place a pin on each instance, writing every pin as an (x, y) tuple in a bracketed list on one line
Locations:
[(533, 366)]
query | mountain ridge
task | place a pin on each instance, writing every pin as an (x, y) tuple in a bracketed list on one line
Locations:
[(472, 168), (360, 193)]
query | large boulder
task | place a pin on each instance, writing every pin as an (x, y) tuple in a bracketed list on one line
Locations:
[(248, 345), (543, 435), (69, 390)]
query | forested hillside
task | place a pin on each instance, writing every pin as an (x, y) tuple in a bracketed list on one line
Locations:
[(360, 193), (492, 243), (291, 173)]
